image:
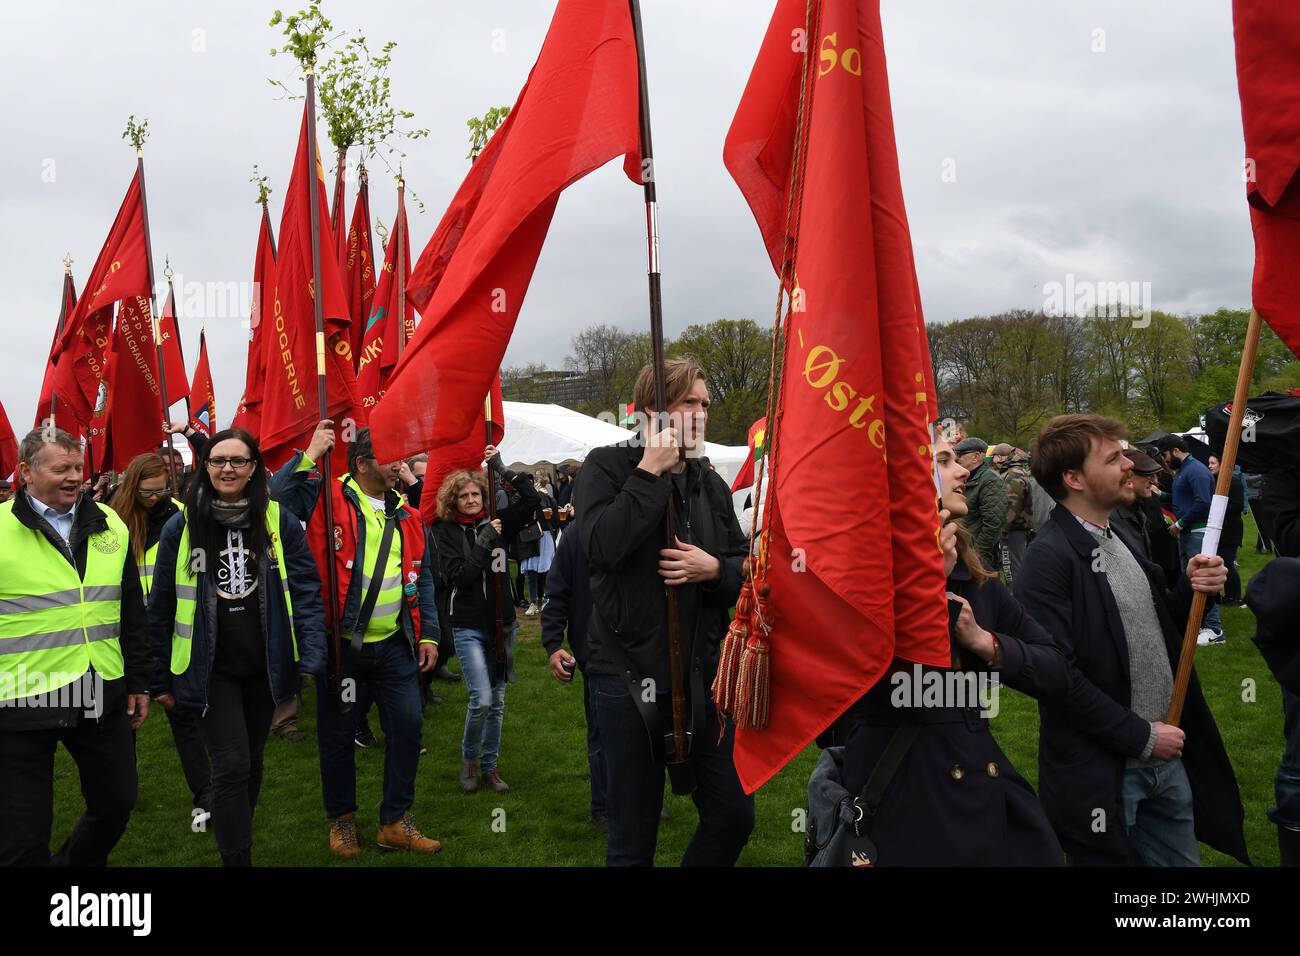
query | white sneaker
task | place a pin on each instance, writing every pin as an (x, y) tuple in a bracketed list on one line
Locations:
[(532, 611), (1209, 636)]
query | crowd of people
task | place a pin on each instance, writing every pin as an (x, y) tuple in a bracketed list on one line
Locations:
[(1070, 577)]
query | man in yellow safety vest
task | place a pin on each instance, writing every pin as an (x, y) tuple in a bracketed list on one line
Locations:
[(74, 657)]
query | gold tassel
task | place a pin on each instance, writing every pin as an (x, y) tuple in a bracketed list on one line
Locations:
[(754, 682), (732, 650)]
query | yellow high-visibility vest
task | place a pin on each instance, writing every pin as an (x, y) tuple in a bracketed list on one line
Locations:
[(54, 626), (187, 590)]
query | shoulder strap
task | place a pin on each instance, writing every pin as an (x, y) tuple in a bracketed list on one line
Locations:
[(376, 584), (651, 716), (887, 766)]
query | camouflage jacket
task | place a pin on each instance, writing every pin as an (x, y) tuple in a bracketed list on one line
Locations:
[(1020, 508)]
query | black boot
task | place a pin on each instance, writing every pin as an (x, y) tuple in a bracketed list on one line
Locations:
[(1288, 842)]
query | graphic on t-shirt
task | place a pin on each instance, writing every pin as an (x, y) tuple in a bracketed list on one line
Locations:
[(236, 571)]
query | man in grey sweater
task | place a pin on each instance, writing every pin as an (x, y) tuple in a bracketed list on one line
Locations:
[(1120, 783)]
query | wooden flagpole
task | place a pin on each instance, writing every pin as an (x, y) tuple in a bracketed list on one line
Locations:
[(1218, 508), (157, 325)]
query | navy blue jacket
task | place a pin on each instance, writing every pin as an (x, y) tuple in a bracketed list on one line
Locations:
[(1192, 491), (298, 492), (191, 687), (568, 599)]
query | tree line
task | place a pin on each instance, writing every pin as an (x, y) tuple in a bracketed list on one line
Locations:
[(1002, 375)]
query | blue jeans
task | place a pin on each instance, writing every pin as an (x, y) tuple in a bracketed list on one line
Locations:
[(1158, 815), (635, 781), (487, 701), (390, 675), (1189, 544), (1286, 786)]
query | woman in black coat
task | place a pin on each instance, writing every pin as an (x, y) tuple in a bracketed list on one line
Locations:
[(1233, 531), (955, 799)]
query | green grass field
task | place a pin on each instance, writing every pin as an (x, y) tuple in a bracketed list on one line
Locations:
[(543, 820)]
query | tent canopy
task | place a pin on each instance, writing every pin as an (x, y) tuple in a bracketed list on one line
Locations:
[(552, 434)]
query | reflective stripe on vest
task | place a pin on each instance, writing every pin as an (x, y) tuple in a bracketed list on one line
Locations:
[(150, 556), (54, 626), (187, 590)]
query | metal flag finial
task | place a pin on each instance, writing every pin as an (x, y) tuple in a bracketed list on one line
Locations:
[(167, 268), (67, 264)]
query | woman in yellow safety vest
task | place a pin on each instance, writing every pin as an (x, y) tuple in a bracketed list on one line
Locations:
[(144, 502), (235, 618)]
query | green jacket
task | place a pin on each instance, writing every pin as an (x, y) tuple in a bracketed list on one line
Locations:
[(986, 500)]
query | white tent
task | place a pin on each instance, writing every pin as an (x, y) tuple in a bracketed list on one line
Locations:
[(555, 434)]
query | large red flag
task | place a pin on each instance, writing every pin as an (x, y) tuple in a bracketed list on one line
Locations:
[(46, 403), (855, 404), (122, 270), (8, 447), (578, 110), (249, 416), (466, 453), (359, 269), (203, 400), (379, 344), (1268, 78), (289, 404), (133, 413), (178, 384)]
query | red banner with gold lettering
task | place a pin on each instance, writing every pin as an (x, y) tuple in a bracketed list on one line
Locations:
[(203, 399), (249, 416), (131, 422), (120, 271), (359, 269), (289, 403), (379, 343), (856, 579)]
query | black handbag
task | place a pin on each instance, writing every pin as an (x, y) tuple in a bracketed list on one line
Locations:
[(839, 823)]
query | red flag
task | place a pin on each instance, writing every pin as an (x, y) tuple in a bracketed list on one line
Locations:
[(45, 404), (8, 447), (120, 271), (178, 385), (379, 342), (745, 476), (249, 416), (1268, 78), (359, 269), (578, 110), (466, 453), (855, 391), (289, 404), (133, 413), (203, 400)]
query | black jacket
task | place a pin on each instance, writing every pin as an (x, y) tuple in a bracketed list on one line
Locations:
[(133, 637), (620, 511), (464, 564), (1281, 501), (956, 800), (1085, 737), (568, 600), (1233, 523)]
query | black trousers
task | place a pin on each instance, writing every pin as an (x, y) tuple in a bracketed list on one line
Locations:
[(635, 781), (104, 751), (234, 730), (194, 756)]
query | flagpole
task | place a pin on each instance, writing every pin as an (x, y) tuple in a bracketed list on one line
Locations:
[(678, 758), (1218, 507), (153, 312), (322, 398), (336, 215), (270, 231), (399, 236), (176, 321), (58, 328)]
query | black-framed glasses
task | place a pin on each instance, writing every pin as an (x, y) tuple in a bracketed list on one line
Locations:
[(219, 464), (152, 492)]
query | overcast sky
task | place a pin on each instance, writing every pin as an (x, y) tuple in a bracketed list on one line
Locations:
[(1118, 164)]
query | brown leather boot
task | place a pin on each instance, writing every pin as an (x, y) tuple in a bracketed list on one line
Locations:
[(469, 776), (494, 781), (343, 836), (402, 835)]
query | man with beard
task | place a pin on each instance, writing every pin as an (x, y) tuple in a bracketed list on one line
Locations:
[(1133, 512), (1193, 490), (1120, 785)]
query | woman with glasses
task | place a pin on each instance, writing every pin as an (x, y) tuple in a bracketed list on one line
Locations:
[(235, 618), (144, 502)]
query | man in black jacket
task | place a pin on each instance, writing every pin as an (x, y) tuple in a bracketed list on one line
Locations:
[(568, 607), (621, 498), (1119, 784), (94, 677)]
